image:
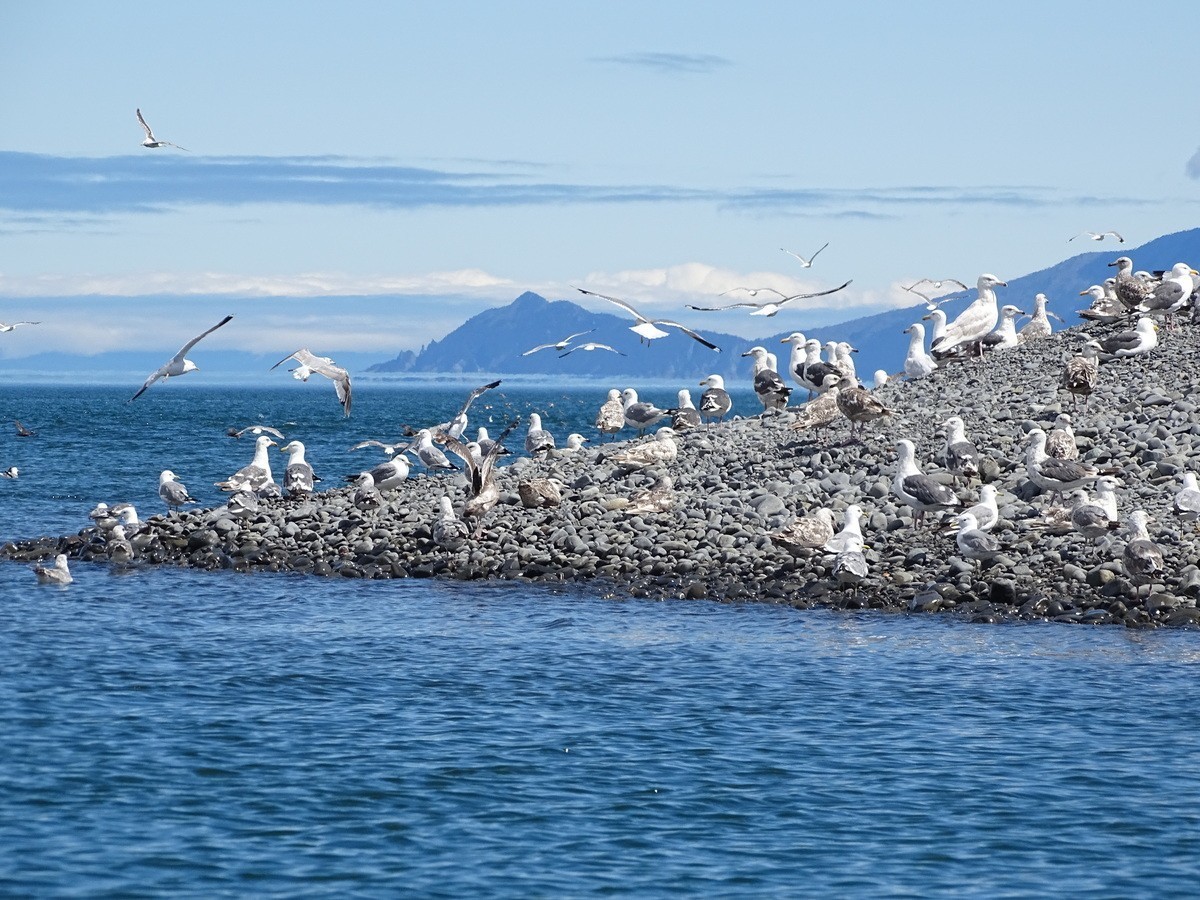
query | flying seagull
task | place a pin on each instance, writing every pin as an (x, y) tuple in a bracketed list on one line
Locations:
[(591, 345), (766, 307), (254, 430), (647, 329), (5, 327), (804, 263), (1098, 236), (177, 365), (558, 345), (22, 431), (151, 142), (322, 365)]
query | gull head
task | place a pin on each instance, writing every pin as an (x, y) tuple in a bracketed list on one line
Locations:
[(1123, 264), (990, 281), (795, 338)]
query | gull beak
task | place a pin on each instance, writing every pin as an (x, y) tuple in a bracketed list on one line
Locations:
[(747, 353), (1113, 263), (1084, 293), (1001, 284)]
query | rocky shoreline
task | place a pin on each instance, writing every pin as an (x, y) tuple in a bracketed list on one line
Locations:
[(736, 483)]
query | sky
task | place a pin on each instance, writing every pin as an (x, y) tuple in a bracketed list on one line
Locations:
[(432, 160)]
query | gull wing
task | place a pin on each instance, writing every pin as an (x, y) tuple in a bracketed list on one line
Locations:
[(709, 344), (178, 357), (539, 347), (619, 302), (157, 374), (591, 346), (753, 291), (482, 389), (257, 429), (145, 127), (748, 304)]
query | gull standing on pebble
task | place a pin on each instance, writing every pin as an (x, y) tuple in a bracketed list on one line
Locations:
[(976, 320), (1143, 558), (1004, 337), (796, 358), (428, 455), (850, 537), (770, 389), (715, 402), (859, 405), (1128, 288), (1186, 502), (917, 363), (1055, 475), (1038, 325), (1081, 373), (973, 542), (919, 492), (1060, 442), (638, 413), (537, 439), (662, 449), (449, 531), (256, 475), (611, 417), (962, 456), (172, 491), (298, 477), (684, 416)]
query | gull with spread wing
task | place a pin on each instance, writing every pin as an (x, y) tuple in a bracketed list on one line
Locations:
[(151, 142), (766, 307), (321, 365), (177, 364), (647, 329)]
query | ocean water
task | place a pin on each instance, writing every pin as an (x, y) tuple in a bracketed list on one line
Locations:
[(181, 733)]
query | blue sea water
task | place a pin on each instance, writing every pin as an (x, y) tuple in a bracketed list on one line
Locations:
[(168, 732)]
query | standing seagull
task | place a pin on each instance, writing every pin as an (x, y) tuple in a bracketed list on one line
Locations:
[(976, 320), (771, 390), (558, 345), (322, 365), (973, 542), (611, 416), (177, 364), (5, 327), (172, 491), (640, 414), (448, 531), (151, 142), (254, 476), (684, 416), (917, 363), (1130, 290), (430, 456), (714, 402), (1143, 558), (298, 477), (1055, 475), (962, 457), (1187, 499), (1080, 374), (1005, 335), (537, 439), (647, 329), (1038, 325), (1142, 339), (1060, 443), (806, 263), (920, 492)]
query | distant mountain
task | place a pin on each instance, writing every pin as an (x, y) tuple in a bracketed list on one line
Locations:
[(493, 340)]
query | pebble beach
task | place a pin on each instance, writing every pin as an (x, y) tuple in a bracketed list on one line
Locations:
[(736, 483)]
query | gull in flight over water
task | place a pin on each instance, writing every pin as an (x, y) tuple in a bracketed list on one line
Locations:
[(930, 302), (321, 365), (647, 329), (177, 365), (4, 327), (558, 345), (766, 307), (804, 263), (591, 345), (151, 142), (1098, 236)]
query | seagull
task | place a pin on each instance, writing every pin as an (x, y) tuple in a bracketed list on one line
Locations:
[(558, 345), (985, 512), (4, 327), (937, 285), (806, 534), (1038, 325), (1105, 306), (484, 440), (298, 477), (1143, 558), (255, 430), (242, 504), (177, 364), (920, 492), (806, 263), (540, 493), (766, 307), (458, 425), (537, 438), (172, 491), (815, 371), (684, 416), (859, 405), (388, 475), (917, 363), (640, 414), (662, 449), (611, 416), (119, 549), (850, 537), (55, 574), (1060, 443), (1129, 289), (714, 402), (850, 568), (151, 142), (647, 329), (22, 431), (1081, 372), (321, 365), (976, 320), (389, 449), (482, 492), (797, 358), (10, 472), (1056, 475), (430, 456), (256, 475), (1098, 236), (448, 531), (591, 345), (1142, 339), (973, 542), (771, 390), (962, 457), (366, 495), (822, 411), (1173, 292), (1187, 499), (1095, 518), (1004, 337)]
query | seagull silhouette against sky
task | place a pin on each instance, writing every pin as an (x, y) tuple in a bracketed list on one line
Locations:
[(177, 364), (153, 143), (804, 263), (647, 329), (766, 307), (4, 327), (591, 345)]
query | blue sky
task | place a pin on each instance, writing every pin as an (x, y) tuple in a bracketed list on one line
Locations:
[(451, 156)]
